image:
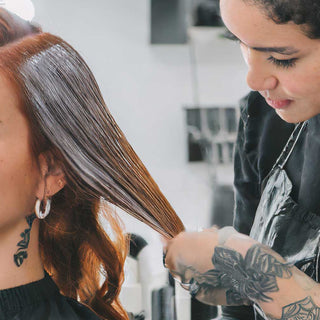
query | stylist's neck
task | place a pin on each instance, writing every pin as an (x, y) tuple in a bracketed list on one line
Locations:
[(20, 261)]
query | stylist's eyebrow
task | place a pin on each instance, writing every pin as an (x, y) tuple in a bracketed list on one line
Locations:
[(282, 50)]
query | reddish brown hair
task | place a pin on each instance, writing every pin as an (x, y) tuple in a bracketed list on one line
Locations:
[(72, 126)]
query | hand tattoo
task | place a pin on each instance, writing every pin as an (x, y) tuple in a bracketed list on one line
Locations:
[(22, 253), (303, 309), (249, 278), (244, 279)]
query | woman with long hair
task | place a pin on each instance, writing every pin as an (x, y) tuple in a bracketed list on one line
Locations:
[(63, 159), (272, 261)]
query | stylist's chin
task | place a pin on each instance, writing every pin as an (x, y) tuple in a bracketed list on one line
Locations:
[(292, 111), (296, 112)]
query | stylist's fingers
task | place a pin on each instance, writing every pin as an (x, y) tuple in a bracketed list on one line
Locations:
[(167, 254), (164, 241), (173, 249)]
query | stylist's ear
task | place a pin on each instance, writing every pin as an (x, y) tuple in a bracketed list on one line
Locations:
[(51, 177)]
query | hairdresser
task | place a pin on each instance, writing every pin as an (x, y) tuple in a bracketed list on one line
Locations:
[(270, 261)]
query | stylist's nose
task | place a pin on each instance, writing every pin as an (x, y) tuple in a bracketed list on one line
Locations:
[(259, 76)]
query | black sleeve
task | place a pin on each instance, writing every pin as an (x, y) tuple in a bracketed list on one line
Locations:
[(262, 135), (246, 178)]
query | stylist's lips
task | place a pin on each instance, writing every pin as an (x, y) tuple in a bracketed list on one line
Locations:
[(278, 104)]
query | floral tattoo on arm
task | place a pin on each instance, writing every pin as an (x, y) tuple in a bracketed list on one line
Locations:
[(245, 279), (249, 278)]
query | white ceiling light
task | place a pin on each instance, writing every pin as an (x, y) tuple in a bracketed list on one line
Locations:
[(22, 8)]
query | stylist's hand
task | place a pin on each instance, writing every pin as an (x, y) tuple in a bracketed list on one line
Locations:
[(191, 250), (189, 259)]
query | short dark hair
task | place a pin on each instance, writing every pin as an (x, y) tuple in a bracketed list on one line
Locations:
[(305, 13)]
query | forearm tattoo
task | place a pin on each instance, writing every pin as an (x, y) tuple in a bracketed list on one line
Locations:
[(245, 279), (22, 253), (301, 310), (249, 278)]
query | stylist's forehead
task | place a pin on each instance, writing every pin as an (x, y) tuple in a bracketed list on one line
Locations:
[(253, 28)]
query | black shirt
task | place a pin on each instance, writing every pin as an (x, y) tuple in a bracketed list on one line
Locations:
[(261, 137), (41, 300)]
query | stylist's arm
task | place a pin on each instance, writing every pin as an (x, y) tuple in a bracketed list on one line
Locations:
[(224, 267)]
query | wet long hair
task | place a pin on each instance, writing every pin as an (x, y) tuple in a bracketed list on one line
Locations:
[(71, 125)]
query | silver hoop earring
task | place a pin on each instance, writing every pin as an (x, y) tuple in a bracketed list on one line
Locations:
[(39, 213)]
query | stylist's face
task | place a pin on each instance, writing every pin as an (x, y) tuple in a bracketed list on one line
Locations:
[(283, 63)]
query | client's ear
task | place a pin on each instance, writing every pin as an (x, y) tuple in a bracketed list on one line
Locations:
[(52, 178)]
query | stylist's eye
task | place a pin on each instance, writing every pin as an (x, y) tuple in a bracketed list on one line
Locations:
[(283, 63)]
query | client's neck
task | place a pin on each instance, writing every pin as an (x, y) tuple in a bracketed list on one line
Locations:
[(20, 261)]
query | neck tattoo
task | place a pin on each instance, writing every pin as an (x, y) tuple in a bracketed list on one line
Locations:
[(23, 244)]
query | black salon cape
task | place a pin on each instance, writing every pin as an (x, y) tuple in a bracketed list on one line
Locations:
[(41, 300), (261, 138)]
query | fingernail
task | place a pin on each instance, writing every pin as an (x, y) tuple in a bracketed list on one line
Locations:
[(164, 259)]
